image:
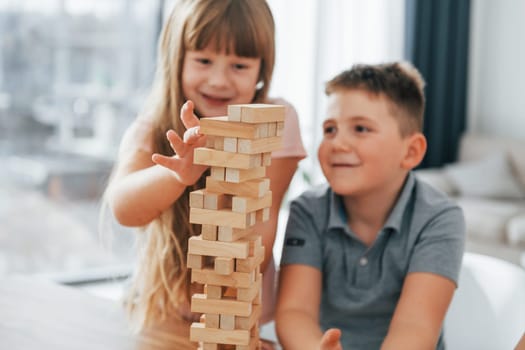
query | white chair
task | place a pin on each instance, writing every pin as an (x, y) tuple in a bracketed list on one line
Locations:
[(488, 308)]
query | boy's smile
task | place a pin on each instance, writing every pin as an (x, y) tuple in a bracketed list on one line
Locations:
[(362, 148), (215, 80)]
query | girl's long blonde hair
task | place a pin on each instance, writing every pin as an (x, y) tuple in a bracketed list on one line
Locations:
[(243, 27)]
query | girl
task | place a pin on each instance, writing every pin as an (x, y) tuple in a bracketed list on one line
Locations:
[(211, 54)]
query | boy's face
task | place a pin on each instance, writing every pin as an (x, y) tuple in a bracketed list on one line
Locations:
[(215, 80), (362, 148)]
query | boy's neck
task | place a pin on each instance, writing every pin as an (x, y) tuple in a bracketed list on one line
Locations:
[(368, 213)]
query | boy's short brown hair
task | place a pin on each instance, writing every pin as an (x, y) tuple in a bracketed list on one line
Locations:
[(400, 82)]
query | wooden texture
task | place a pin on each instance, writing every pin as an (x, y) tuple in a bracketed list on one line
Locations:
[(238, 249), (241, 175), (241, 204), (212, 157), (251, 188), (36, 314), (198, 332), (235, 279), (221, 218), (221, 126), (201, 303), (256, 113), (267, 144)]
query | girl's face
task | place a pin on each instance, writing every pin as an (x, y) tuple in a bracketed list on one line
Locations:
[(215, 80)]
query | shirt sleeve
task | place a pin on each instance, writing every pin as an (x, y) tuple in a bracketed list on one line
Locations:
[(292, 143), (302, 243), (441, 245)]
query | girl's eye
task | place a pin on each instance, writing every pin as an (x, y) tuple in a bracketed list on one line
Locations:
[(361, 129), (203, 60)]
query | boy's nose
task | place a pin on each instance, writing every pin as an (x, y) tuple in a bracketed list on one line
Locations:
[(342, 143)]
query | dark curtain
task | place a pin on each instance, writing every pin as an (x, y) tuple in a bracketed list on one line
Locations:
[(437, 38)]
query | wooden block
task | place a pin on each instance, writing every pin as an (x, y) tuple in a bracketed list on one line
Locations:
[(256, 113), (227, 322), (212, 320), (247, 323), (211, 157), (218, 143), (251, 262), (249, 188), (219, 173), (214, 292), (254, 344), (221, 126), (267, 144), (195, 261), (210, 141), (223, 217), (241, 175), (209, 232), (280, 129), (272, 129), (198, 332), (266, 159), (230, 234), (248, 204), (230, 144), (262, 215), (249, 294), (212, 346), (216, 201), (235, 279), (201, 303), (264, 130), (224, 265), (197, 199), (239, 249)]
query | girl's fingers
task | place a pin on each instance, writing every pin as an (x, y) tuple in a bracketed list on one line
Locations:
[(165, 161), (176, 143), (189, 119), (192, 135)]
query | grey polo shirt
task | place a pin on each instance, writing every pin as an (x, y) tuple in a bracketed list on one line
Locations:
[(425, 232)]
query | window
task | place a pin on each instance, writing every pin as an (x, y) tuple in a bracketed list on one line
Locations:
[(73, 74)]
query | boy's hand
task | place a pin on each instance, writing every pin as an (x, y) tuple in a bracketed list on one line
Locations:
[(331, 340), (182, 162)]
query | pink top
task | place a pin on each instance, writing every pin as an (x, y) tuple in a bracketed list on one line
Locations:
[(139, 137)]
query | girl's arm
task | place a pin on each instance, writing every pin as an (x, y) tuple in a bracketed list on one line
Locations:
[(141, 190), (297, 314), (420, 312)]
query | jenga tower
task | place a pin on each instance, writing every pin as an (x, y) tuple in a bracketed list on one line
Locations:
[(226, 257)]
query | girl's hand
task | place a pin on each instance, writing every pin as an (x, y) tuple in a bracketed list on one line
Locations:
[(182, 162), (331, 340)]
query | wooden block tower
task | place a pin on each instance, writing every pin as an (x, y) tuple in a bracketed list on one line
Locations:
[(226, 257)]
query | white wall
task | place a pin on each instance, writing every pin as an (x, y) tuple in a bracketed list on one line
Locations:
[(496, 103)]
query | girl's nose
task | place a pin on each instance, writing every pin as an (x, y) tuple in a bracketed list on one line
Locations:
[(218, 76)]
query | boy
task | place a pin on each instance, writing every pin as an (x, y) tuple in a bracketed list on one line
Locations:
[(372, 260)]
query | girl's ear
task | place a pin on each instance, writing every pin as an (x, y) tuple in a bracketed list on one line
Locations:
[(416, 149)]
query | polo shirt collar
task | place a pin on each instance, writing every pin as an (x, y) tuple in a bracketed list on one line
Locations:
[(337, 217)]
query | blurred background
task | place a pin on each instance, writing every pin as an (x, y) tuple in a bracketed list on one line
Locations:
[(74, 74)]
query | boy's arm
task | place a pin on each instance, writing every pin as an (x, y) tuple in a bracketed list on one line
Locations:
[(297, 314), (420, 312)]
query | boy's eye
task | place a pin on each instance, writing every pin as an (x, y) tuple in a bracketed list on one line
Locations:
[(329, 130), (361, 129), (240, 66)]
